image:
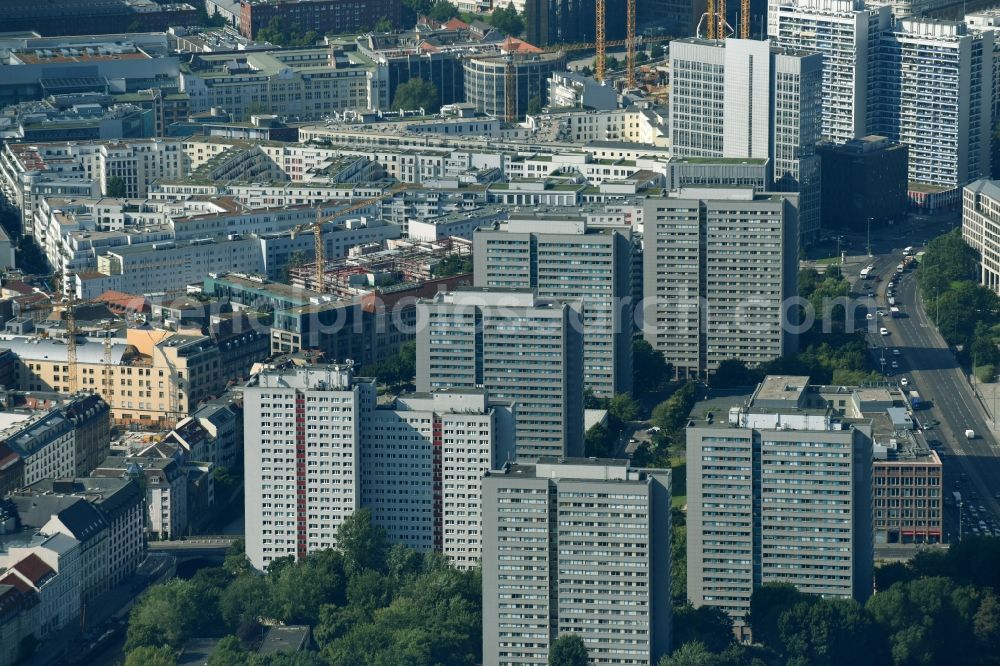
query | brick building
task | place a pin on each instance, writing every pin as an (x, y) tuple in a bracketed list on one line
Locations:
[(323, 16)]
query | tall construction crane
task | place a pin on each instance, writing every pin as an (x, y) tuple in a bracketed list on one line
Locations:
[(320, 250), (630, 46), (599, 61), (71, 363), (744, 19)]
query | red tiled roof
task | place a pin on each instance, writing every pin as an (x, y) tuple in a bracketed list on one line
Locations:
[(456, 24), (15, 581), (34, 569), (515, 45)]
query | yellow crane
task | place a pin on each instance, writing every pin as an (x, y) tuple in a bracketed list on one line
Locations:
[(630, 46), (71, 363), (599, 61), (319, 249), (744, 19)]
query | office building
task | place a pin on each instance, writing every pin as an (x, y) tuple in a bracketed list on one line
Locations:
[(94, 17), (576, 546), (779, 490), (520, 348), (981, 228), (559, 256), (485, 80), (907, 490), (867, 179), (718, 264), (738, 99), (936, 96), (416, 463), (846, 33), (549, 22)]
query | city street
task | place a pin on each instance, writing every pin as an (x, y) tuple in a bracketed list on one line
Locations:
[(933, 370)]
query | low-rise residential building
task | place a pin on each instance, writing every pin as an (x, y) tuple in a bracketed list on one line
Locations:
[(213, 433), (166, 491)]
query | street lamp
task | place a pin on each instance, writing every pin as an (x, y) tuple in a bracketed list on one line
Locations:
[(869, 236)]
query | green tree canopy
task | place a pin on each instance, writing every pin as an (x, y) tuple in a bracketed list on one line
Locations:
[(443, 10), (568, 650), (362, 542), (116, 187), (707, 625), (417, 94), (507, 21), (151, 656)]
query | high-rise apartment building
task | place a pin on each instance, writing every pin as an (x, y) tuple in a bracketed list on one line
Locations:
[(718, 266), (559, 256), (318, 448), (520, 348), (780, 491), (576, 546), (847, 33), (742, 98), (935, 95)]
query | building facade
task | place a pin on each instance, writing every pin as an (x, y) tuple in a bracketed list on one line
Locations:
[(981, 228), (320, 16), (867, 178), (718, 264), (847, 33), (781, 491), (559, 256), (518, 347), (569, 544), (936, 96), (486, 85), (415, 463)]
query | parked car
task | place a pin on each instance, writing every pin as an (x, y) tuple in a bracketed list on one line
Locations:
[(883, 331)]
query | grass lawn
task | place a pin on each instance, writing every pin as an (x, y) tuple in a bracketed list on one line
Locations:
[(678, 467)]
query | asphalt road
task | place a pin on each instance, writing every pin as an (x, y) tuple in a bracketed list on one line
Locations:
[(933, 370)]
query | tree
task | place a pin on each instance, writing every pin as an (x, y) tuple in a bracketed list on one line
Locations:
[(678, 567), (650, 370), (623, 408), (672, 414), (507, 21), (300, 590), (151, 656), (948, 259), (656, 52), (167, 615), (568, 650), (442, 11), (534, 106), (689, 654), (830, 632), (417, 94), (708, 625), (611, 63), (116, 187), (246, 598), (383, 25), (599, 441), (411, 9), (228, 653), (362, 542), (733, 373), (767, 604)]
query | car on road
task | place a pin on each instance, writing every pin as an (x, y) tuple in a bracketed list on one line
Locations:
[(883, 331), (903, 381), (869, 316), (969, 434)]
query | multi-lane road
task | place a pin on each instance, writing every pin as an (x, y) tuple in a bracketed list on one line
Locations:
[(929, 364)]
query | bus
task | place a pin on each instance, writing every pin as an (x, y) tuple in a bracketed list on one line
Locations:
[(866, 273), (915, 401)]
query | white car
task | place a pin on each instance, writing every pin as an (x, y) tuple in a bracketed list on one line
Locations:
[(883, 331), (903, 381), (869, 316)]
